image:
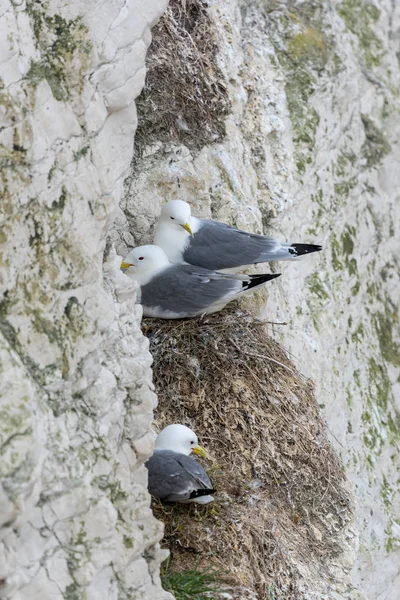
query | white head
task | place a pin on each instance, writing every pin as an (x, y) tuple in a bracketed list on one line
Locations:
[(144, 261), (179, 439), (177, 214)]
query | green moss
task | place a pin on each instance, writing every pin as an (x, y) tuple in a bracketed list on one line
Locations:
[(379, 384), (74, 592), (356, 377), (360, 17), (128, 542), (373, 440), (60, 203), (80, 153), (352, 266), (319, 293), (347, 241), (318, 199), (308, 47), (317, 287), (375, 147), (42, 70), (392, 540), (113, 489), (336, 250), (358, 335), (51, 172), (393, 425), (386, 325), (301, 164), (14, 159), (14, 419), (65, 57), (386, 493), (303, 58), (344, 162), (82, 535), (375, 417), (346, 248), (343, 188)]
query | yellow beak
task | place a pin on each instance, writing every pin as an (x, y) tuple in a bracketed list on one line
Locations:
[(200, 451), (187, 227), (125, 265)]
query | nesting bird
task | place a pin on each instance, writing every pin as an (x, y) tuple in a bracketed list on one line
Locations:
[(174, 476), (177, 291), (214, 245)]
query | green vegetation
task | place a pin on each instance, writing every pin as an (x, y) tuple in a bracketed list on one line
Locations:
[(386, 493), (375, 146), (128, 542), (64, 60), (360, 17), (372, 437), (192, 584), (317, 287), (346, 249), (336, 250), (393, 425), (386, 325), (303, 57), (379, 384), (82, 152), (74, 592), (310, 46), (392, 540)]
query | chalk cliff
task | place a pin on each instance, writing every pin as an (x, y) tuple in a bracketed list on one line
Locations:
[(280, 117)]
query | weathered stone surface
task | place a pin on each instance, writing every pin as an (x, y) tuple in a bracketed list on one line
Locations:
[(313, 140), (76, 395)]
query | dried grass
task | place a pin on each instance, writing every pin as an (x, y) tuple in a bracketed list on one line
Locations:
[(184, 98), (281, 498)]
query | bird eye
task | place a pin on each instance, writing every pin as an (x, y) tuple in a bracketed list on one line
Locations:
[(192, 443), (173, 218), (141, 258)]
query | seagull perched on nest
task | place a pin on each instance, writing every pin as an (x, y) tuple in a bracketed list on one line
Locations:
[(214, 245), (178, 291), (174, 476)]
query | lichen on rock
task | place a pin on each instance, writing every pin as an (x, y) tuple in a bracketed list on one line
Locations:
[(76, 401)]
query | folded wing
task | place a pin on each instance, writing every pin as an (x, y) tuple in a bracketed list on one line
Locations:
[(217, 246), (175, 477)]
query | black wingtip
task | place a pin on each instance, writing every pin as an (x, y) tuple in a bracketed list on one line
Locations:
[(300, 249), (199, 493), (259, 279)]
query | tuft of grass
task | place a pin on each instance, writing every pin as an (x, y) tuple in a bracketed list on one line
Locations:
[(192, 584)]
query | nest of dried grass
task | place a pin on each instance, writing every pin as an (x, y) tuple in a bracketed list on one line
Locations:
[(281, 498), (184, 98)]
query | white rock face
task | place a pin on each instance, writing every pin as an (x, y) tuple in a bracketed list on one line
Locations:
[(76, 395), (313, 140)]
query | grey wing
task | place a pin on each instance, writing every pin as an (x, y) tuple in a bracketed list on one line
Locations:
[(218, 246), (188, 290), (175, 477)]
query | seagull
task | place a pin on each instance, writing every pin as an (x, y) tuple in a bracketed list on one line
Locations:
[(174, 476), (216, 246), (170, 291)]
